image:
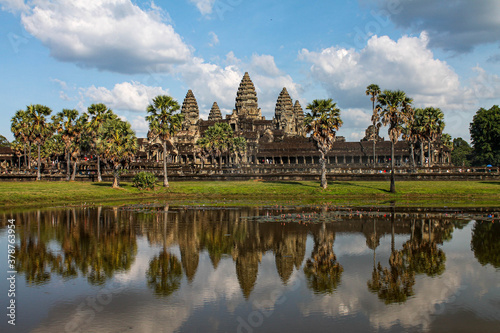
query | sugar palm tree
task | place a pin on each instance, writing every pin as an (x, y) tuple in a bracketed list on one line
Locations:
[(323, 122), (80, 142), (395, 111), (118, 143), (434, 126), (66, 122), (21, 128), (411, 134), (219, 139), (203, 149), (239, 148), (164, 123), (373, 90), (41, 130), (98, 113)]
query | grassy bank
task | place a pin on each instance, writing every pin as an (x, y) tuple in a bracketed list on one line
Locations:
[(32, 194)]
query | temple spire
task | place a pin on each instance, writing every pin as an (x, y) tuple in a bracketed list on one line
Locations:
[(190, 111), (215, 113), (246, 99)]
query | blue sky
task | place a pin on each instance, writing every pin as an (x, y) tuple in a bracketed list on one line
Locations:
[(70, 54)]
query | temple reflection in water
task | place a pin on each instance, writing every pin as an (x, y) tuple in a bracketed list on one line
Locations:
[(161, 268), (99, 242)]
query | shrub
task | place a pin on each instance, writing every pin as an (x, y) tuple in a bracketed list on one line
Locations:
[(144, 180)]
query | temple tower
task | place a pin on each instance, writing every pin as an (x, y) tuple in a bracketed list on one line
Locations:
[(246, 100), (215, 113), (283, 114), (190, 112), (299, 119)]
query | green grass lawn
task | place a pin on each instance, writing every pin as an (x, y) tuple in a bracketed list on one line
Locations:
[(31, 194)]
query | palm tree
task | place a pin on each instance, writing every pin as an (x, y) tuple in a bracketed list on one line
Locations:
[(203, 150), (41, 129), (434, 126), (239, 148), (322, 122), (65, 122), (99, 113), (218, 139), (411, 134), (164, 124), (21, 128), (79, 142), (395, 111), (118, 143), (373, 90)]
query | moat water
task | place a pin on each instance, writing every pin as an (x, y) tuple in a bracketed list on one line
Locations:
[(161, 268)]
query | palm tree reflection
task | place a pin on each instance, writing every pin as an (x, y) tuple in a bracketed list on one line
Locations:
[(322, 271), (164, 274), (393, 284)]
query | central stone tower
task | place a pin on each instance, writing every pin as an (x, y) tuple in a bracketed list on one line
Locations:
[(247, 105)]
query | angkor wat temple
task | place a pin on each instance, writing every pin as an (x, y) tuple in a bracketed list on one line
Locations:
[(281, 140)]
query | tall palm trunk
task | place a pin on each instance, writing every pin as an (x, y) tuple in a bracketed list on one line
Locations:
[(412, 156), (68, 165), (73, 176), (374, 133), (429, 153), (25, 163), (99, 177), (422, 154), (29, 155), (393, 181), (165, 178), (39, 164), (324, 183), (116, 176)]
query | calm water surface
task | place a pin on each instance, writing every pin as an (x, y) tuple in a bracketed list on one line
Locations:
[(158, 268)]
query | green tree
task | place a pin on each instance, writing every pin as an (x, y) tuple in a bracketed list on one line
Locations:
[(485, 136), (52, 148), (164, 123), (395, 111), (412, 133), (239, 148), (461, 153), (99, 114), (373, 90), (41, 130), (118, 143), (433, 124), (203, 149), (219, 140), (21, 128), (4, 142), (323, 122), (66, 125), (80, 142)]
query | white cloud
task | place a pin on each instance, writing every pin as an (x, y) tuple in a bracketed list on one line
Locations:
[(265, 64), (204, 6), (131, 96), (485, 85), (405, 64), (214, 39), (113, 35), (13, 6)]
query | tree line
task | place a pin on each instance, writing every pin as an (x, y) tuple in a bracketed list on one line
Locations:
[(99, 131)]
